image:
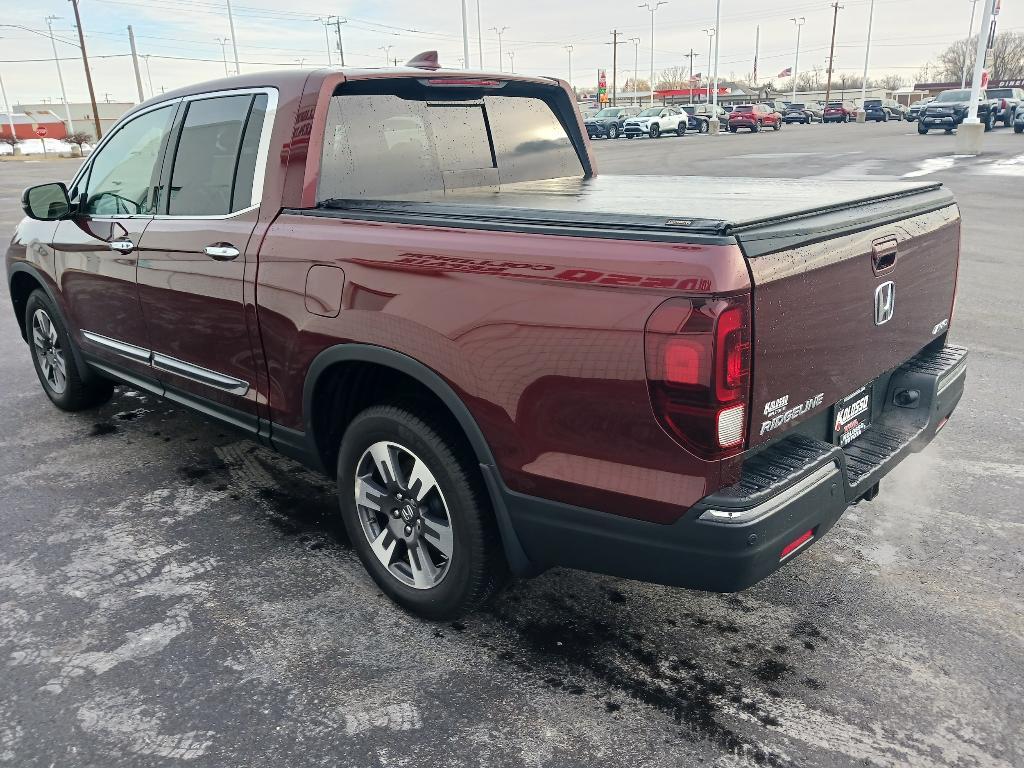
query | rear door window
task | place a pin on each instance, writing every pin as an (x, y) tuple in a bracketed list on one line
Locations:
[(214, 162), (383, 146)]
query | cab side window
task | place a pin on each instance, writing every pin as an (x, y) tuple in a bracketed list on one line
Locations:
[(214, 161), (123, 174)]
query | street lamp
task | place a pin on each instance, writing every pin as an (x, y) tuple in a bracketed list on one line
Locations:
[(636, 58), (796, 62), (861, 114), (652, 9), (711, 38), (499, 32), (512, 61), (569, 49), (387, 53), (149, 75), (60, 75)]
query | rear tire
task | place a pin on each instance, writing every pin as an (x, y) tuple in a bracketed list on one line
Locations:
[(406, 484), (755, 128), (777, 125), (613, 131), (702, 126), (1018, 128), (53, 356), (990, 122), (681, 129)]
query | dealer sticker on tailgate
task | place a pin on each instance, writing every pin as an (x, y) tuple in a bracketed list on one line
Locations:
[(852, 416)]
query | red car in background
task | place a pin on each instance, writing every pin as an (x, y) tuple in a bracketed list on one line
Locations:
[(755, 117), (839, 112)]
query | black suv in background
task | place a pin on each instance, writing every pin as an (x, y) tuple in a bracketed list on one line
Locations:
[(950, 109), (700, 115), (882, 110), (1006, 100), (607, 124), (914, 110), (803, 112)]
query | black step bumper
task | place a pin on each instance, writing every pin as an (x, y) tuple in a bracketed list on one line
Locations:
[(796, 489)]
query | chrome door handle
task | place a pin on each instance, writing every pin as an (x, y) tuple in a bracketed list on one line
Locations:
[(221, 251), (123, 245)]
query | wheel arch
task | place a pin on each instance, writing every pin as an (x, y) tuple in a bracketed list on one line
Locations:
[(340, 359)]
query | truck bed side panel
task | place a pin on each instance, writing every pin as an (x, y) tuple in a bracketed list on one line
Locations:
[(540, 335)]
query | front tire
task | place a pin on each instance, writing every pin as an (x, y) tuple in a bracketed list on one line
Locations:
[(417, 512), (681, 129), (53, 356), (777, 125), (922, 129), (990, 122), (654, 132)]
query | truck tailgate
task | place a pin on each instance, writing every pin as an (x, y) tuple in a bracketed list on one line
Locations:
[(834, 308)]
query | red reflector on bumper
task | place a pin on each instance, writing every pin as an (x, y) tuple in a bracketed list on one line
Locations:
[(795, 544)]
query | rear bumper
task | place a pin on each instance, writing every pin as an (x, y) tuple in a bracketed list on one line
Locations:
[(734, 538)]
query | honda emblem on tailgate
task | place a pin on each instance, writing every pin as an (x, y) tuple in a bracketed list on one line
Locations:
[(885, 302)]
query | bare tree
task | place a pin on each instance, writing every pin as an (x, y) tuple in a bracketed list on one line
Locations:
[(79, 138), (1005, 62), (891, 82), (673, 77), (11, 141), (641, 85)]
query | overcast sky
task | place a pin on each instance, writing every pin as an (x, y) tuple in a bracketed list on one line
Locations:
[(176, 33)]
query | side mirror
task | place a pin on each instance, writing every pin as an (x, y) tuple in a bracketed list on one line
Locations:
[(47, 202)]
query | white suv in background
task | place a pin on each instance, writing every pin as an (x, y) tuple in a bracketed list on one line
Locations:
[(654, 121)]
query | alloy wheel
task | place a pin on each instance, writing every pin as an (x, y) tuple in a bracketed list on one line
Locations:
[(48, 351), (404, 515)]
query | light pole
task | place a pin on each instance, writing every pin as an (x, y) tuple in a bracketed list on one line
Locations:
[(711, 39), (512, 61), (479, 39), (234, 45), (387, 53), (796, 62), (652, 9), (499, 32), (967, 45), (223, 54), (60, 75), (969, 134), (718, 40), (861, 114), (465, 34), (569, 49), (636, 60)]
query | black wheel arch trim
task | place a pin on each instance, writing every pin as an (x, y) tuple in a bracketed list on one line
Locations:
[(293, 443)]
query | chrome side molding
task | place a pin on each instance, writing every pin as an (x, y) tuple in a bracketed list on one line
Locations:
[(170, 364)]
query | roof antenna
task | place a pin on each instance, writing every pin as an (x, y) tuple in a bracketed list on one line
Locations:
[(425, 60)]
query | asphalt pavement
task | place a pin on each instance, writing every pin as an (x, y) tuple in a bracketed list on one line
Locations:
[(172, 594)]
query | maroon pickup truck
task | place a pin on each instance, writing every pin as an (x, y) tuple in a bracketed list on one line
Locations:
[(413, 280)]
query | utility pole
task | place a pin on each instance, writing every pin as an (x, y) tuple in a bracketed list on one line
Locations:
[(88, 74), (327, 37), (500, 32), (711, 35), (512, 61), (10, 115), (615, 64), (465, 34), (149, 73), (223, 54), (234, 45), (690, 56), (652, 9), (60, 75), (757, 50), (967, 45), (861, 114), (135, 64), (836, 7), (479, 40), (636, 60), (569, 49), (796, 62), (338, 21)]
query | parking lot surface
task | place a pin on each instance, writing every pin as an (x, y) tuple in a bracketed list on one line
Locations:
[(172, 594)]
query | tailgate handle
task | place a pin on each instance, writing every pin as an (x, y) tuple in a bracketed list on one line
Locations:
[(883, 255)]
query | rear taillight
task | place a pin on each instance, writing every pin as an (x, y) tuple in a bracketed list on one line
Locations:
[(698, 355)]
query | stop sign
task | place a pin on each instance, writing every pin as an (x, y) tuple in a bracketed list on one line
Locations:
[(40, 131)]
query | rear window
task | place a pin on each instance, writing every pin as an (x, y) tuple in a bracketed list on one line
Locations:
[(384, 146), (1000, 93), (873, 103)]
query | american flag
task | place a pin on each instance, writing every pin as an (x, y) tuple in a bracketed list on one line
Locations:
[(787, 72)]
